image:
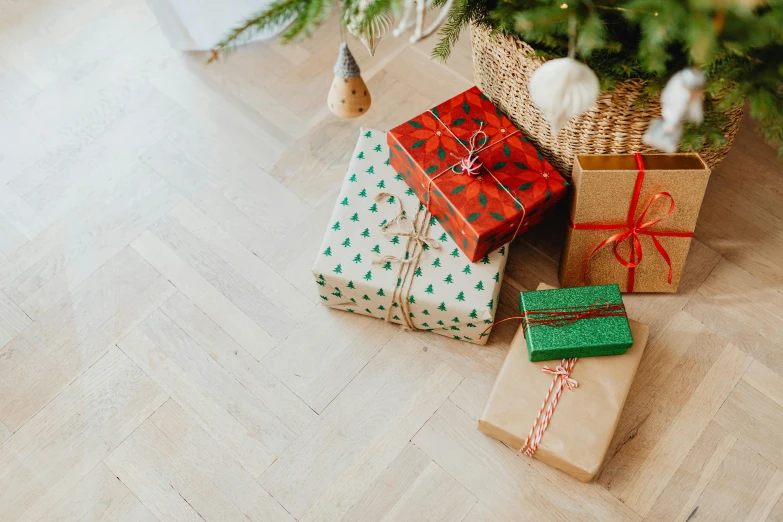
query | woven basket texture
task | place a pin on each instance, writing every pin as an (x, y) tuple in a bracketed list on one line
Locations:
[(502, 67)]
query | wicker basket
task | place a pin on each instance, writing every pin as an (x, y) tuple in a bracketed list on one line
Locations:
[(502, 67)]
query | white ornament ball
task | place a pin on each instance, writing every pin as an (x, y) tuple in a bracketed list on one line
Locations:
[(563, 88)]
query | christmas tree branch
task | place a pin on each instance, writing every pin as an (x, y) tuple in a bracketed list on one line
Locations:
[(301, 14), (738, 44), (462, 14)]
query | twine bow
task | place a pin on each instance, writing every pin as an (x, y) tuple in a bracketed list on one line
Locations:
[(562, 380), (471, 163), (566, 374), (415, 234), (414, 248), (631, 230)]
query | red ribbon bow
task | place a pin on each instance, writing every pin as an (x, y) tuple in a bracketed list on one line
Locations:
[(631, 229)]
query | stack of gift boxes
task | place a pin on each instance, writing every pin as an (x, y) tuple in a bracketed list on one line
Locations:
[(419, 236)]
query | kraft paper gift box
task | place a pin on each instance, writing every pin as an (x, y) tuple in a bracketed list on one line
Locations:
[(370, 264), (587, 321), (583, 422), (512, 185), (632, 220)]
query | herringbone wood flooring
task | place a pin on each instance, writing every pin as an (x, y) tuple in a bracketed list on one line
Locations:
[(164, 356)]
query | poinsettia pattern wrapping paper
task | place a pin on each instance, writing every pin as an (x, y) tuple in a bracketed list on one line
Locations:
[(509, 193), (448, 294)]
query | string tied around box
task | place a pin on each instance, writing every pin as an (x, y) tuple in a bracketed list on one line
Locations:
[(557, 318), (471, 165), (562, 380), (417, 243), (564, 316)]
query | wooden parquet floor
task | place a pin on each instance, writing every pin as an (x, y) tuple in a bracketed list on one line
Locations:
[(164, 355)]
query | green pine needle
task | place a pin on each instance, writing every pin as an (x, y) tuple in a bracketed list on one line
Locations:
[(280, 12)]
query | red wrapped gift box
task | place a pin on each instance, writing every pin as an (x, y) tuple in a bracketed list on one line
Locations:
[(476, 172)]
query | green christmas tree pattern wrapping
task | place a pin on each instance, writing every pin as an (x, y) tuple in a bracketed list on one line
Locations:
[(589, 337), (449, 295)]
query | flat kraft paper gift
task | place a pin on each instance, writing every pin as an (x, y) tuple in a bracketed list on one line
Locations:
[(632, 220), (582, 425), (477, 173), (359, 267)]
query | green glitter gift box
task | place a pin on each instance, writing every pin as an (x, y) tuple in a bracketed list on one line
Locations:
[(585, 321)]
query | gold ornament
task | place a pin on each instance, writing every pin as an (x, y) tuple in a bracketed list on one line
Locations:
[(348, 96)]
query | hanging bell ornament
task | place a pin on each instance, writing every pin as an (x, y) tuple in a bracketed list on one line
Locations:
[(348, 96), (373, 30), (681, 100), (561, 89)]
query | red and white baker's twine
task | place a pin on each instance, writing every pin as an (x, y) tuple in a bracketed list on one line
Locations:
[(561, 381), (472, 165)]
